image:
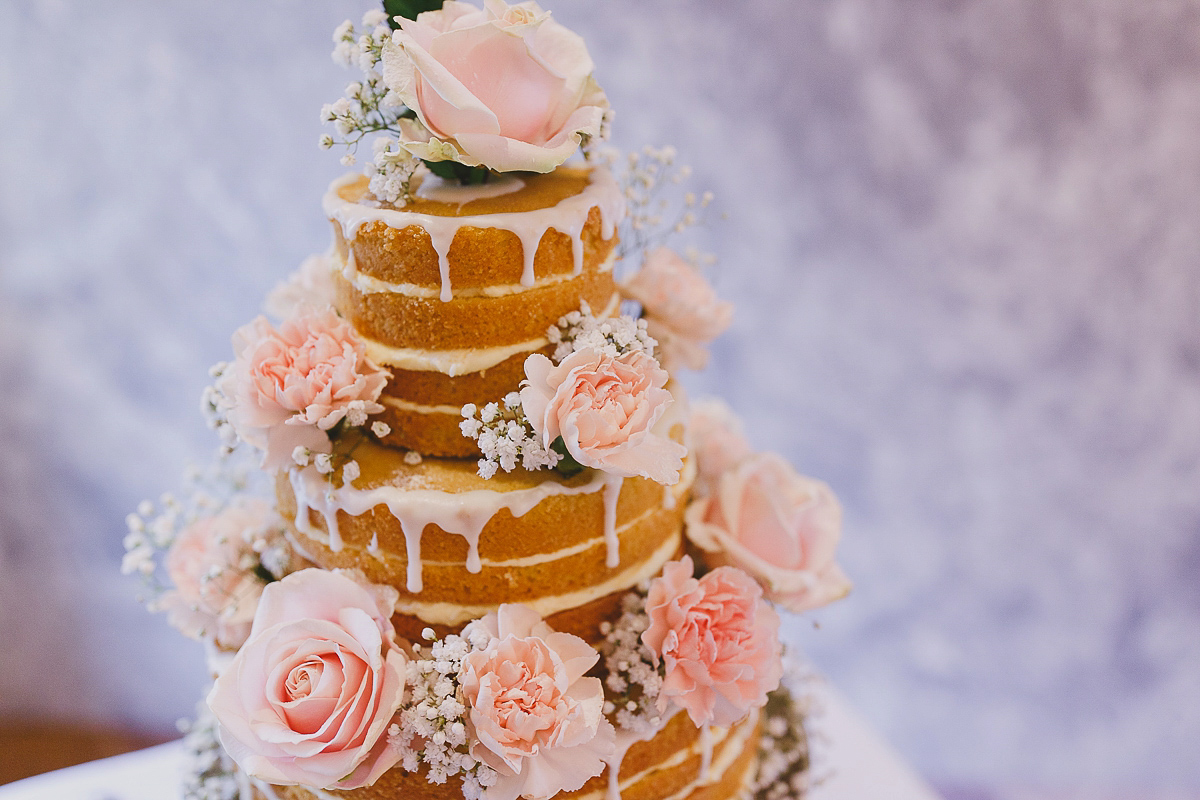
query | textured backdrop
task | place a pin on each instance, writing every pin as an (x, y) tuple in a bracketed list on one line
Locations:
[(963, 238)]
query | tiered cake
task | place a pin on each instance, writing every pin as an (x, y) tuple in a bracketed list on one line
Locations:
[(502, 557)]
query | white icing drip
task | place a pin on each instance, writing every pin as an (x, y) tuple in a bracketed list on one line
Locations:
[(464, 361), (612, 496), (463, 513), (375, 550), (455, 194), (625, 740), (368, 284), (557, 555), (569, 216), (455, 614), (350, 268), (669, 499)]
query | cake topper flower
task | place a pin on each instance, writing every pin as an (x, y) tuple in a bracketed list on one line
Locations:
[(288, 387), (503, 87)]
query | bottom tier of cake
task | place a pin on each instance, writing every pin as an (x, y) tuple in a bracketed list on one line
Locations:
[(679, 762)]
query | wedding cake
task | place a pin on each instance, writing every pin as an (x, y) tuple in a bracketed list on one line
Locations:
[(486, 548)]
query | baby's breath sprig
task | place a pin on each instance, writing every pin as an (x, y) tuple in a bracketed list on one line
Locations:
[(784, 765), (368, 107), (657, 211), (613, 337), (154, 526), (432, 726), (506, 437), (633, 683), (209, 772)]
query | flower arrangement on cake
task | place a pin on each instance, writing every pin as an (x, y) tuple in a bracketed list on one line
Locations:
[(466, 537)]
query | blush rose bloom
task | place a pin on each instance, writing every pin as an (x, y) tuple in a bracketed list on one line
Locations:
[(309, 697), (212, 566), (719, 640), (534, 717), (781, 527), (717, 441), (605, 409), (682, 311), (505, 86), (288, 386)]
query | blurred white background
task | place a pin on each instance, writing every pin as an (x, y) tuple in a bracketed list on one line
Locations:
[(963, 238)]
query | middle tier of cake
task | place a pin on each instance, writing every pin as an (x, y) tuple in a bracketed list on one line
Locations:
[(457, 546)]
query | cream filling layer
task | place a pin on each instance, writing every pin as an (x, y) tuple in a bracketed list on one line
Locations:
[(368, 284), (463, 361), (455, 614), (419, 408)]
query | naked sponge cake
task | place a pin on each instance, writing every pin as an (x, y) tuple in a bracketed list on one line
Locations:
[(485, 547)]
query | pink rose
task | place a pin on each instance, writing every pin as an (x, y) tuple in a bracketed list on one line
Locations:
[(309, 697), (503, 86), (719, 640), (718, 443), (779, 526), (604, 408), (682, 311), (290, 385), (212, 566), (534, 717)]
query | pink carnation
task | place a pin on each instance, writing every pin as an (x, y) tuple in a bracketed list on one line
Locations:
[(212, 565), (288, 386), (718, 443), (781, 527), (719, 640), (502, 86), (682, 311), (604, 408), (308, 699), (534, 716)]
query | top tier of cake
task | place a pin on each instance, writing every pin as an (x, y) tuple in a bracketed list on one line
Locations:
[(455, 290)]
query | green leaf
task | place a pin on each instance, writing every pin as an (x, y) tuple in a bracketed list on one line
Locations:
[(454, 171), (264, 574), (567, 466), (408, 9)]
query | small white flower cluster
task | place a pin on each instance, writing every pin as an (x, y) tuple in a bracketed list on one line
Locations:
[(213, 406), (655, 213), (209, 772), (391, 172), (783, 766), (506, 437), (633, 682), (368, 107), (153, 527), (432, 728), (613, 337)]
